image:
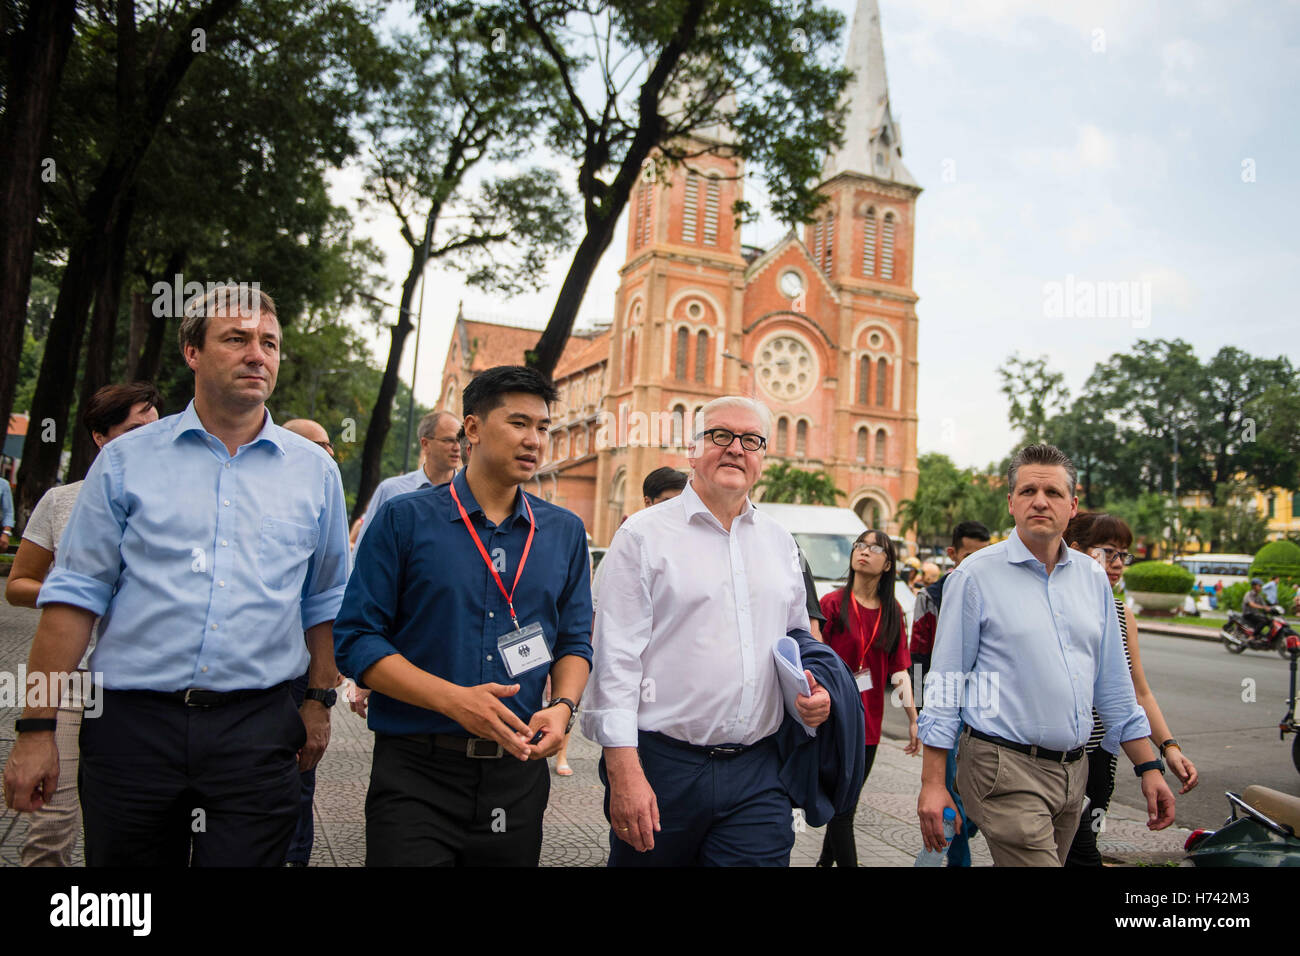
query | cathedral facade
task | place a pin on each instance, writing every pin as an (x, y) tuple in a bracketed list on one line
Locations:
[(821, 327)]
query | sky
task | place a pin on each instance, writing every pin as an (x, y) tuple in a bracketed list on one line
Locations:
[(1149, 146)]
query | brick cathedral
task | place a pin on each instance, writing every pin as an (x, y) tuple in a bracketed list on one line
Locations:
[(821, 327)]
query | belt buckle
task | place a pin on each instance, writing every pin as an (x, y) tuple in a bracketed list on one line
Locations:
[(725, 751), (187, 701), (471, 749)]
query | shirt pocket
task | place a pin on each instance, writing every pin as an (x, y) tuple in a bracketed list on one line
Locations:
[(283, 552)]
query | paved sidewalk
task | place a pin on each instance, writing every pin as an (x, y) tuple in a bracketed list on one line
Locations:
[(576, 833)]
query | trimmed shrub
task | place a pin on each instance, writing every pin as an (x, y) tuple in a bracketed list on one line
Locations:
[(1157, 577), (1281, 558)]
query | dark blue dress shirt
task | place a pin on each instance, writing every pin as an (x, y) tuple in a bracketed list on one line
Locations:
[(421, 589)]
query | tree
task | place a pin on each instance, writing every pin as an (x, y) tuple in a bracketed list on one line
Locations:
[(460, 102), (645, 82), (36, 37), (782, 482), (148, 72), (1036, 394)]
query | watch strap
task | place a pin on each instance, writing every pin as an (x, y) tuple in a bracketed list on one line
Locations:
[(24, 724), (326, 697), (1156, 764), (1171, 742)]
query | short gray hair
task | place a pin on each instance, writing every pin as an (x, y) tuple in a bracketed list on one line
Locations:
[(221, 300), (429, 424), (754, 406), (1042, 454)]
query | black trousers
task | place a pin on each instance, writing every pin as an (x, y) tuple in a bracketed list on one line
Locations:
[(427, 806), (1101, 784), (839, 848), (163, 784)]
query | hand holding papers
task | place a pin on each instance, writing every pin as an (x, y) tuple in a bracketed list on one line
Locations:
[(793, 680)]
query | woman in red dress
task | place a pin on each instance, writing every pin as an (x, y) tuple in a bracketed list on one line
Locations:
[(864, 625)]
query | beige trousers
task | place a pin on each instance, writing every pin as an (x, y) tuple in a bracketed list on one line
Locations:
[(1027, 807), (52, 830)]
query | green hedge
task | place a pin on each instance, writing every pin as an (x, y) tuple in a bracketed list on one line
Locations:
[(1231, 598), (1281, 558), (1157, 577)]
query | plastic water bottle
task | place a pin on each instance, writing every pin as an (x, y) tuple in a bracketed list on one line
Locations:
[(936, 857)]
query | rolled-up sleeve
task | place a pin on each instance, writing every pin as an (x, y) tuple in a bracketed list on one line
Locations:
[(956, 645), (364, 623), (1112, 692), (88, 561), (327, 573), (573, 627), (623, 627)]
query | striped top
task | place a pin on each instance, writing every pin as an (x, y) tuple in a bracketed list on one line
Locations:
[(1098, 731)]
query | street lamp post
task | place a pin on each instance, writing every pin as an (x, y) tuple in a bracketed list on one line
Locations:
[(745, 366)]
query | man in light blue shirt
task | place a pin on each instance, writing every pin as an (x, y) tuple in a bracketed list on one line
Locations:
[(441, 451), (213, 545), (1028, 642), (6, 514)]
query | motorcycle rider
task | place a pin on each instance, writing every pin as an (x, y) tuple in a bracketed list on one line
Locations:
[(1255, 609)]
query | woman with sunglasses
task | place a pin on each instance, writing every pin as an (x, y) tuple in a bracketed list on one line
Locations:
[(864, 625), (1106, 538)]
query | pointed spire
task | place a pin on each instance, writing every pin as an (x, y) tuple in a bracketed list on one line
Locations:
[(873, 142)]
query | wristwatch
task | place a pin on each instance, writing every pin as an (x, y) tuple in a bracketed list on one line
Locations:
[(573, 710), (1171, 742), (24, 724), (326, 697), (1156, 764)]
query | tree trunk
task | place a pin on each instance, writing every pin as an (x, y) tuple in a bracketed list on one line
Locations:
[(143, 364), (98, 371), (36, 58), (381, 416)]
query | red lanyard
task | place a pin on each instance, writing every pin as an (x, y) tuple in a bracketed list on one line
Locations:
[(532, 528), (857, 617)]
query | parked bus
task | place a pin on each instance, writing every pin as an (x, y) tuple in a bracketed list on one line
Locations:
[(1212, 568)]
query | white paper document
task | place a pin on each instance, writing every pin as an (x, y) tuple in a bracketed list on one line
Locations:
[(789, 671)]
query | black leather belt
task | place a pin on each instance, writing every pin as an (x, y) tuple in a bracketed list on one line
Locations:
[(1041, 753), (722, 750), (206, 699), (477, 748)]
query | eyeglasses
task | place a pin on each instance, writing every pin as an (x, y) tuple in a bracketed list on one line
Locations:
[(327, 446), (1110, 554), (868, 546), (723, 437)]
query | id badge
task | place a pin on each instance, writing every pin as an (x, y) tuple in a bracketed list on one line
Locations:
[(863, 678), (524, 649)]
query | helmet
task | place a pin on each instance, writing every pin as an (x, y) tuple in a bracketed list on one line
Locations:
[(1255, 581)]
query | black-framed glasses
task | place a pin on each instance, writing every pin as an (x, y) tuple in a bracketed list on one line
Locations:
[(723, 437), (869, 546), (327, 446), (1110, 554)]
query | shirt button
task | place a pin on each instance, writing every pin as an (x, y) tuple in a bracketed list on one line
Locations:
[(227, 464), (489, 657), (226, 502), (204, 669), (214, 627), (221, 584), (225, 543), (490, 614)]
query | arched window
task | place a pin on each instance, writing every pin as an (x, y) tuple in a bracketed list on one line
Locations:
[(644, 203), (828, 260), (691, 207), (880, 446), (701, 356), (783, 436), (862, 445), (882, 374), (678, 426), (712, 194), (801, 438), (683, 343), (887, 248), (630, 372), (869, 228), (864, 375)]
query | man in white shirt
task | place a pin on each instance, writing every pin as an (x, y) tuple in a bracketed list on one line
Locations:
[(440, 449), (684, 696)]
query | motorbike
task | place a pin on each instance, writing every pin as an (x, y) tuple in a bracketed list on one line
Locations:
[(1260, 832), (1288, 725), (1238, 636)]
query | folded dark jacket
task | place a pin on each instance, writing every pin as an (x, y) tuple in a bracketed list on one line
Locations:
[(824, 774)]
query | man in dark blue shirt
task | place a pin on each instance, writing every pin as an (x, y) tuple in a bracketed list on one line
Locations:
[(464, 599)]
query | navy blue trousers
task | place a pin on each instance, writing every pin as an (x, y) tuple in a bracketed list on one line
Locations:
[(304, 833), (714, 810)]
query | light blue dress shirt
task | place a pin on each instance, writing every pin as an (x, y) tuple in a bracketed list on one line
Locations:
[(6, 504), (391, 488), (1025, 656), (206, 568)]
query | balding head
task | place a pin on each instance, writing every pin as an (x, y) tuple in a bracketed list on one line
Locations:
[(312, 431)]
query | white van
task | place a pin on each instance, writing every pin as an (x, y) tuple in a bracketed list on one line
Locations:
[(825, 535)]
